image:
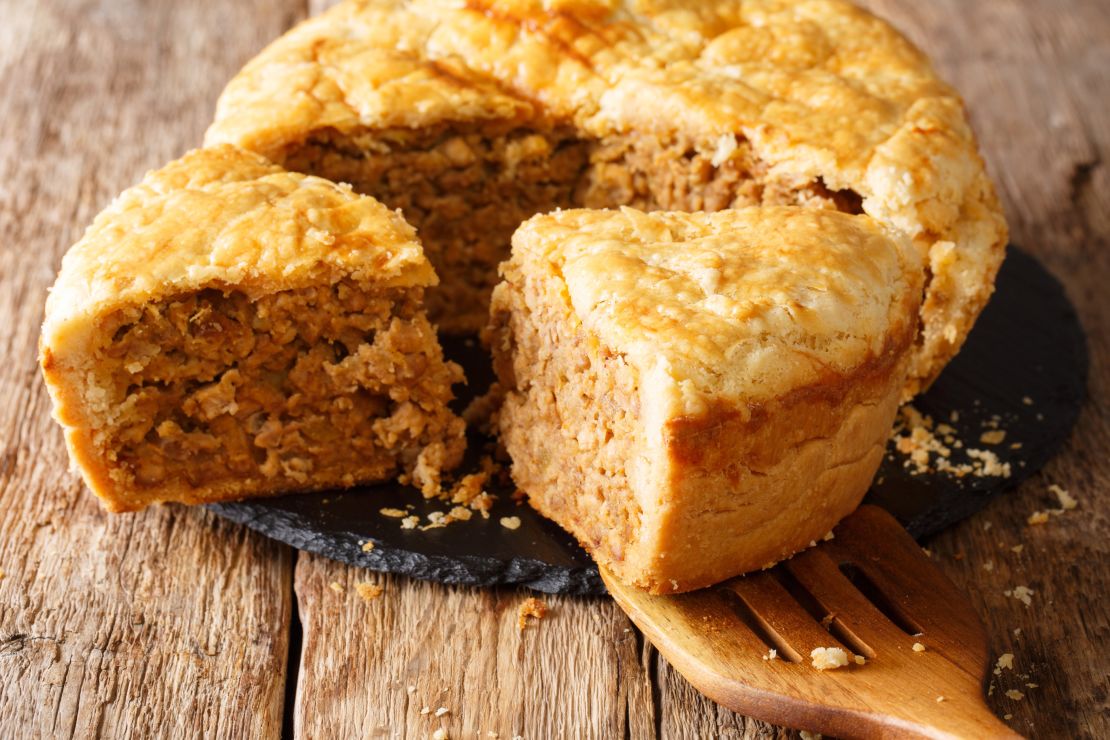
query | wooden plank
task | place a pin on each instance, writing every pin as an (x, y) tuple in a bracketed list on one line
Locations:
[(578, 672), (165, 623)]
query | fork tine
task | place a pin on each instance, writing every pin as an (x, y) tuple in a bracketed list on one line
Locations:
[(861, 625), (872, 540), (782, 614)]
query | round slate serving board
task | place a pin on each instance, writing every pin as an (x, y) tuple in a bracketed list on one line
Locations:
[(1024, 368)]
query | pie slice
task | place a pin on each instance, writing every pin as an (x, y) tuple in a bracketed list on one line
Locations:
[(228, 329), (694, 395)]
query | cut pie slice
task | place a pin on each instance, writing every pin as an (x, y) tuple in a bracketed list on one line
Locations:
[(228, 329), (699, 395)]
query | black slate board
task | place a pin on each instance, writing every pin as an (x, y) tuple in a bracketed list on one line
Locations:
[(1028, 344)]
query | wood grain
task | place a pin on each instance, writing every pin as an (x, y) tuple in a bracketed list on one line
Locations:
[(171, 623), (166, 623)]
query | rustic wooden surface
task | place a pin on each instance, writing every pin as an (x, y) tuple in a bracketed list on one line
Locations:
[(171, 623)]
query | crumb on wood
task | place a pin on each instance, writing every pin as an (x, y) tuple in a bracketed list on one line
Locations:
[(337, 587), (806, 735), (1021, 593), (1017, 549), (830, 658), (1015, 695), (918, 647), (940, 699), (1067, 502), (1037, 517), (1005, 661), (772, 654), (510, 522), (530, 607), (369, 591), (442, 711), (440, 734), (860, 660)]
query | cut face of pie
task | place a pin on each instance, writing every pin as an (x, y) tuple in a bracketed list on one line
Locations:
[(695, 396), (473, 116), (227, 329)]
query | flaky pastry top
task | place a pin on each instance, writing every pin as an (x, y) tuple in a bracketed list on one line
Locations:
[(740, 306), (226, 218)]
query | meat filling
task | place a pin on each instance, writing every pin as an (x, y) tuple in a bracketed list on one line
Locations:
[(467, 190), (298, 389)]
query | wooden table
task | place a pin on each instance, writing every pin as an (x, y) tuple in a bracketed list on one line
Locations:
[(173, 623)]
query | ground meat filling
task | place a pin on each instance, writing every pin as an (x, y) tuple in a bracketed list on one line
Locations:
[(572, 416), (466, 190), (323, 384)]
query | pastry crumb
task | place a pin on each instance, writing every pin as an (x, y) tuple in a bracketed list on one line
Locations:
[(915, 435), (1067, 502), (1021, 593), (530, 607), (805, 735), (1037, 517), (510, 522), (411, 689), (860, 660), (940, 699), (442, 711), (1017, 549), (772, 654), (1005, 661), (440, 734), (367, 546), (369, 592), (426, 710), (1015, 695), (918, 647), (827, 659), (993, 437), (395, 513), (410, 522), (337, 587)]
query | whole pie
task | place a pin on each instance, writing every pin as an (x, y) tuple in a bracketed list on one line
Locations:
[(227, 329), (698, 395), (472, 116), (767, 223)]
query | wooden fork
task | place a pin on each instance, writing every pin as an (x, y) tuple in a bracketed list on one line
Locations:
[(870, 591)]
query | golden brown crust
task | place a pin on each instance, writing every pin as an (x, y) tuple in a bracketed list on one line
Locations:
[(821, 90), (680, 449)]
